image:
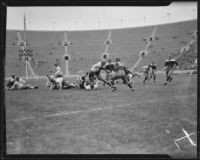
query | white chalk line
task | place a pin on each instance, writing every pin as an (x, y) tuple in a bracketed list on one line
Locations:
[(102, 108), (24, 118), (72, 112)]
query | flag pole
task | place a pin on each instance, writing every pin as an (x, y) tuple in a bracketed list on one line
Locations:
[(25, 40)]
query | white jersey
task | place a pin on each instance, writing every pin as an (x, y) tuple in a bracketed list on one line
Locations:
[(11, 79), (119, 68), (58, 71), (21, 80), (96, 67), (18, 84)]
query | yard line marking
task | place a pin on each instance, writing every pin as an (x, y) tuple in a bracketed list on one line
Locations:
[(72, 112), (103, 108), (81, 111), (24, 118)]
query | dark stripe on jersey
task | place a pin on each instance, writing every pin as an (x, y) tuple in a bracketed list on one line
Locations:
[(153, 66), (170, 64), (109, 67)]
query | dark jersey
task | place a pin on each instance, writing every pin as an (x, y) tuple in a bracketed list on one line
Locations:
[(11, 82), (146, 69), (81, 81), (170, 63), (92, 75), (118, 66), (109, 67), (152, 66), (121, 69), (127, 71), (82, 78)]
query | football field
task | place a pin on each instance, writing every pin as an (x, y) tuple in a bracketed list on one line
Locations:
[(73, 121)]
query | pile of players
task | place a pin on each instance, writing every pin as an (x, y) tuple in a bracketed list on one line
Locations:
[(118, 70), (113, 72), (17, 83), (89, 80)]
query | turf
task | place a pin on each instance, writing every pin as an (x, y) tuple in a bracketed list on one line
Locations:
[(74, 121)]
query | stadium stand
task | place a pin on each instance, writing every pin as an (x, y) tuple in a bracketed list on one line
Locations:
[(87, 46)]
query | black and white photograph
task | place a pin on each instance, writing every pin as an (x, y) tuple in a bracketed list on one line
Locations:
[(101, 80)]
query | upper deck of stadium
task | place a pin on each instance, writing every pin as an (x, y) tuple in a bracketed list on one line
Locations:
[(87, 46)]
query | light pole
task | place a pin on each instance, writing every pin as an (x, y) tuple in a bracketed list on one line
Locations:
[(29, 22), (168, 17)]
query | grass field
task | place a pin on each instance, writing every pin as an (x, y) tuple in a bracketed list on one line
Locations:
[(146, 121)]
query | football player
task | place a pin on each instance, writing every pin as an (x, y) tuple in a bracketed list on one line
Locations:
[(19, 84), (120, 73), (130, 75), (146, 71), (95, 73), (109, 68), (170, 66), (152, 71), (84, 82), (10, 82), (58, 72)]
